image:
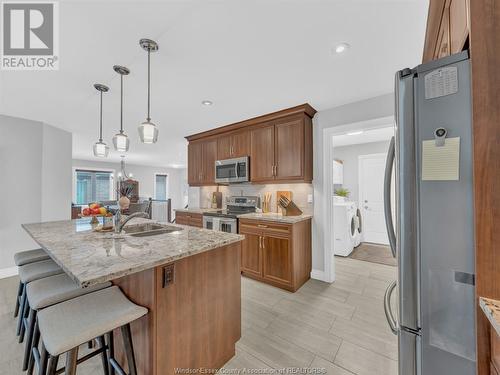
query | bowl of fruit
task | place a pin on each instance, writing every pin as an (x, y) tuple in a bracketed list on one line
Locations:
[(94, 210)]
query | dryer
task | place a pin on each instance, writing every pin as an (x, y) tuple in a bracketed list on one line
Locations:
[(344, 227)]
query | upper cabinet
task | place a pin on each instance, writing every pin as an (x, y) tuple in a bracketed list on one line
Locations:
[(279, 146), (448, 28), (233, 145), (201, 162)]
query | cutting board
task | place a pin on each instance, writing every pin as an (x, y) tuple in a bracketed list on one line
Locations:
[(282, 193)]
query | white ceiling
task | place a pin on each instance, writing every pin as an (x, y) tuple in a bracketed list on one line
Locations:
[(367, 136), (248, 57)]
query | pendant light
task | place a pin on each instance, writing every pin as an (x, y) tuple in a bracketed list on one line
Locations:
[(101, 149), (120, 140), (148, 132)]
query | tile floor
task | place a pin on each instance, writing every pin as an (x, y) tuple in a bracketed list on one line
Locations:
[(338, 327)]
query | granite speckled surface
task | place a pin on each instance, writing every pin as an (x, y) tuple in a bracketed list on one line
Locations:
[(491, 309), (90, 257), (273, 216)]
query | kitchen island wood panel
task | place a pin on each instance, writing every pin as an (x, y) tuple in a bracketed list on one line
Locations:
[(194, 322)]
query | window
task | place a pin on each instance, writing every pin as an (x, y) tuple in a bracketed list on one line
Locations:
[(93, 186), (161, 186)]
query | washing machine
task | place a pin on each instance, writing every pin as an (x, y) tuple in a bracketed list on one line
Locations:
[(344, 227), (358, 238)]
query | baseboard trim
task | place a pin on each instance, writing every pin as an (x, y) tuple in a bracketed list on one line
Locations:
[(8, 272), (318, 275)]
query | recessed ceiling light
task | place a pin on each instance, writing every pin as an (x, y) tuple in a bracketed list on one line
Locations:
[(207, 102), (355, 133), (341, 47)]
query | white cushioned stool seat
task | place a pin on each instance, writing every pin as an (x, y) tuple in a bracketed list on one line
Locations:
[(38, 270), (71, 323), (30, 256), (54, 289)]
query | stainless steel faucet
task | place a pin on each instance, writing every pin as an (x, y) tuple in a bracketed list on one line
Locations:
[(118, 219)]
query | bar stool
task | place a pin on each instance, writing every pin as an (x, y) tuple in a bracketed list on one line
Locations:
[(31, 272), (43, 293), (67, 325), (25, 257)]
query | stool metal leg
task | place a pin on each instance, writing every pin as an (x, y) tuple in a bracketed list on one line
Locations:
[(52, 367), (21, 309), (24, 317), (19, 294), (129, 349), (34, 345), (71, 358), (29, 338), (111, 349), (42, 366), (104, 354)]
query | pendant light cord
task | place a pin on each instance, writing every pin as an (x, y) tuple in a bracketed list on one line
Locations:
[(149, 82), (121, 103), (100, 122)]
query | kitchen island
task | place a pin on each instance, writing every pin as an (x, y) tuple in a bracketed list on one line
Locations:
[(189, 279)]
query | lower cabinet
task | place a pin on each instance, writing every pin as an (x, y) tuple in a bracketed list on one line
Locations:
[(275, 253), (188, 218)]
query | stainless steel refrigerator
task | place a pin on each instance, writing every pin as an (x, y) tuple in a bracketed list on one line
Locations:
[(431, 226)]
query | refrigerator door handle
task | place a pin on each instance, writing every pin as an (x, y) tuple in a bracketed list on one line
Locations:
[(388, 309), (387, 197)]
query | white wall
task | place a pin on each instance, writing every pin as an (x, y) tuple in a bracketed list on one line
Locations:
[(35, 185), (349, 156), (373, 108), (177, 180)]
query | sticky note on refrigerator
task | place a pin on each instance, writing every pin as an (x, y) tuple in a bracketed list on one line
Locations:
[(441, 163)]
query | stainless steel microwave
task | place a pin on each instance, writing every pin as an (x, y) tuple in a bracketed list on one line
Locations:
[(232, 170)]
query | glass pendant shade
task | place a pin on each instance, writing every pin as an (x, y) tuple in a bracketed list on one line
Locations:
[(121, 142), (148, 132), (101, 149)]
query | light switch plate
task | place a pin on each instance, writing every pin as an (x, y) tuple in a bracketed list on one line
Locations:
[(309, 198)]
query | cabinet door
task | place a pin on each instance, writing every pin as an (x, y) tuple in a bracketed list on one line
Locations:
[(262, 153), (181, 218), (289, 149), (224, 145), (276, 260), (240, 144), (195, 152), (459, 24), (251, 262), (208, 162)]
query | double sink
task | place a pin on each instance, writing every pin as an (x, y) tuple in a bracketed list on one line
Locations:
[(150, 229)]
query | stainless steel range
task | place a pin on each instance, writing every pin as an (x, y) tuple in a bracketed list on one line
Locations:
[(227, 220)]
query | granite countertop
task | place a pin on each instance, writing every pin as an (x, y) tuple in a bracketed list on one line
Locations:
[(90, 257), (491, 309), (273, 216), (196, 210)]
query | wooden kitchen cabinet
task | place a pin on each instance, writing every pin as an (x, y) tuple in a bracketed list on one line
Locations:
[(188, 218), (443, 44), (459, 24), (279, 146), (201, 162), (233, 145), (251, 260), (262, 153), (278, 254)]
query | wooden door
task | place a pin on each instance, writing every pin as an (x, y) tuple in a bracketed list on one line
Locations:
[(240, 144), (208, 159), (276, 260), (459, 25), (224, 146), (251, 262), (289, 149), (195, 152), (262, 154), (443, 42)]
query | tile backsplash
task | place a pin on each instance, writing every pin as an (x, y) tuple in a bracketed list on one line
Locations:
[(300, 193)]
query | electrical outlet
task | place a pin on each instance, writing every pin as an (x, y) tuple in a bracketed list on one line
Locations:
[(168, 275), (309, 198)]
